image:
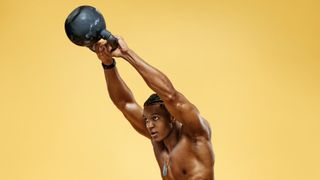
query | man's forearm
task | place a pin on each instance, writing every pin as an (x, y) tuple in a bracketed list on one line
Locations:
[(119, 92), (154, 78)]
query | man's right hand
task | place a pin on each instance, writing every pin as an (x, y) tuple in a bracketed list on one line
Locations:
[(122, 49), (104, 53)]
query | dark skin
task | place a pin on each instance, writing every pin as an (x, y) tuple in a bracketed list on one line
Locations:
[(180, 136)]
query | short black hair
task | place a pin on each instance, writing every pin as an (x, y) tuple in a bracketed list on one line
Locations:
[(153, 99)]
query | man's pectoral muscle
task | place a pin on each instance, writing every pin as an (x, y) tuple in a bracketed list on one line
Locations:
[(190, 159)]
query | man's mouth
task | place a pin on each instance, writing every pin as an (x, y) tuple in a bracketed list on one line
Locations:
[(153, 134)]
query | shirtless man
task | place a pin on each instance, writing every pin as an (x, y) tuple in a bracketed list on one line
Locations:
[(180, 137)]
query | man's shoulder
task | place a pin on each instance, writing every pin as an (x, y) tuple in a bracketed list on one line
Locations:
[(206, 136)]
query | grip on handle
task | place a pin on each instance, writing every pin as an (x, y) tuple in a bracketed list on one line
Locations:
[(113, 41)]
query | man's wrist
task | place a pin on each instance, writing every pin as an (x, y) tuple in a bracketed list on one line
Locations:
[(109, 65), (107, 61), (128, 54)]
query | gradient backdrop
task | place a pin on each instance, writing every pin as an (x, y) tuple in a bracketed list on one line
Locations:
[(251, 67)]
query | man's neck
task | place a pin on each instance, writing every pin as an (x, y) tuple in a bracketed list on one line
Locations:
[(172, 139)]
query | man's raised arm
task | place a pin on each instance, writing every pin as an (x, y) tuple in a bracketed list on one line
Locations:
[(179, 107), (119, 92)]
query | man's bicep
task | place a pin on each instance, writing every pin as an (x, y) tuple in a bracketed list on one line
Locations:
[(133, 113)]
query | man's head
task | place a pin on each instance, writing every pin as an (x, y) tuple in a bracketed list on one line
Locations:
[(157, 118)]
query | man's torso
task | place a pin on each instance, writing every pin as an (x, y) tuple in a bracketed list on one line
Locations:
[(191, 158)]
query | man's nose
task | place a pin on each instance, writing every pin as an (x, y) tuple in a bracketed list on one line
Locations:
[(150, 124)]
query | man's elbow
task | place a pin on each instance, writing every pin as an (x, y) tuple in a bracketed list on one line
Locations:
[(171, 96), (122, 103)]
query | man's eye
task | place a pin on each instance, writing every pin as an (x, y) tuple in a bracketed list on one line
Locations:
[(155, 118)]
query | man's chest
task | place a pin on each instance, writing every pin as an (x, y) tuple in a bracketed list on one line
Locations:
[(180, 162)]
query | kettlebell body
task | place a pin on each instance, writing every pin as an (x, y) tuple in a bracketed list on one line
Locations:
[(85, 26)]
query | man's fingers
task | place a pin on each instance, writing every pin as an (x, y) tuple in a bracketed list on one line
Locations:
[(122, 44), (109, 47), (102, 48), (96, 47), (99, 47), (99, 44)]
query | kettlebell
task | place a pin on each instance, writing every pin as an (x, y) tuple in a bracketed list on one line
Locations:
[(85, 26)]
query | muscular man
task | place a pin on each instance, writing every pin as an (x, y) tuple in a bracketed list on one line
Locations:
[(180, 137)]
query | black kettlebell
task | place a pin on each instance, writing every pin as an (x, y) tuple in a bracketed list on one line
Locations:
[(85, 26)]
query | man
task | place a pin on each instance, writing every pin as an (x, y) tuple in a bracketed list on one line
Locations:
[(181, 138)]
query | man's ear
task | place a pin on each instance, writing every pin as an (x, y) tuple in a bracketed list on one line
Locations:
[(172, 119)]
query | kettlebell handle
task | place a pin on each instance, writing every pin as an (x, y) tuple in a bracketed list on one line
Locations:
[(113, 41)]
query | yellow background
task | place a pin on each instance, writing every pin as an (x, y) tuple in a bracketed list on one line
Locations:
[(251, 67)]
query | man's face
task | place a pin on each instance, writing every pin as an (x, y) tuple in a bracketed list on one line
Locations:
[(157, 121)]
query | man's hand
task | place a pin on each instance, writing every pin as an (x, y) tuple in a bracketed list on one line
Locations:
[(122, 49), (103, 50)]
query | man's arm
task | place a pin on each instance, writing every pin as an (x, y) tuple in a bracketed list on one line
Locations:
[(176, 103), (119, 92)]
